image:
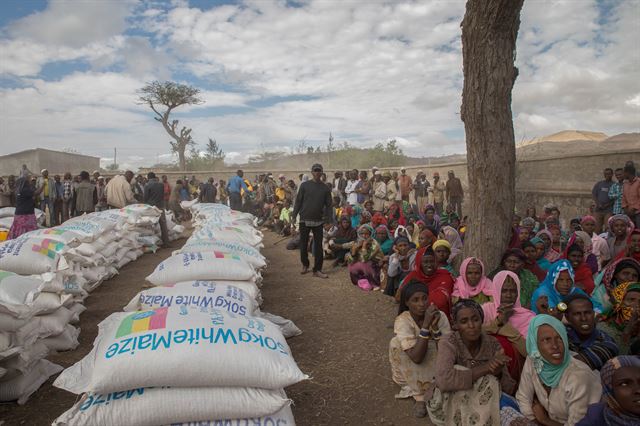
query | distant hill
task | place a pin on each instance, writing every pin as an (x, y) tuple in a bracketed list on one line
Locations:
[(571, 142)]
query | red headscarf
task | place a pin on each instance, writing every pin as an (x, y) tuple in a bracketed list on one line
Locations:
[(583, 274), (440, 283), (627, 252)]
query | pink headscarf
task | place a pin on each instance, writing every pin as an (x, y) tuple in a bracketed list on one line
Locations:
[(461, 287), (521, 316)]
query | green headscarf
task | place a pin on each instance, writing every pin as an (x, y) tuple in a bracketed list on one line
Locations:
[(549, 374)]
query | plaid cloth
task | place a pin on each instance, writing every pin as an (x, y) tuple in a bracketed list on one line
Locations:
[(67, 189), (615, 193)]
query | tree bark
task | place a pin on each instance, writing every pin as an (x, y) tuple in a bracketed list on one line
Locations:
[(489, 33)]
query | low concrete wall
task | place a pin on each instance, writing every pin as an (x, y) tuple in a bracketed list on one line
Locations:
[(56, 162)]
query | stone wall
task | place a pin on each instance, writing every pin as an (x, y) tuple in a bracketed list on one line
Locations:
[(564, 181)]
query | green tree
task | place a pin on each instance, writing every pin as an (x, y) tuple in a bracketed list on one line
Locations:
[(171, 95)]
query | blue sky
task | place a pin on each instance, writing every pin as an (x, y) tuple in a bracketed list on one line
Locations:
[(273, 73)]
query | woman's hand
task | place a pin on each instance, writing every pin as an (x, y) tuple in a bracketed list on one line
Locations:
[(429, 315), (498, 362), (504, 313), (542, 304), (539, 412)]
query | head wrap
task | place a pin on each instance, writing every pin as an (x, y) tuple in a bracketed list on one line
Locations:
[(609, 274), (466, 303), (365, 214), (528, 222), (513, 252), (441, 243), (621, 314), (409, 290), (365, 227), (622, 217), (397, 231), (548, 234), (548, 286), (427, 233), (587, 218), (613, 413), (453, 237), (536, 240), (346, 233), (550, 374), (463, 290), (385, 229), (521, 316), (401, 239), (586, 239), (378, 219)]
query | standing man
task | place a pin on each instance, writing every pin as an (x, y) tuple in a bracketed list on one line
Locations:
[(421, 188), (153, 194), (208, 191), (119, 192), (615, 193), (167, 191), (392, 189), (340, 184), (404, 181), (47, 195), (352, 186), (439, 189), (5, 194), (86, 196), (455, 194), (234, 187), (101, 193), (57, 202), (313, 204), (631, 194), (379, 192), (67, 196), (603, 204)]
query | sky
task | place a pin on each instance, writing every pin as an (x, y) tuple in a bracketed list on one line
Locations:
[(276, 73)]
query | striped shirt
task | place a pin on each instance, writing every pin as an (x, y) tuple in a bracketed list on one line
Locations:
[(596, 350)]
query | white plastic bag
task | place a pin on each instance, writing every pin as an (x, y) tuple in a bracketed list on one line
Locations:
[(18, 294), (202, 266), (153, 348), (156, 406), (65, 341), (32, 256), (23, 386), (246, 251)]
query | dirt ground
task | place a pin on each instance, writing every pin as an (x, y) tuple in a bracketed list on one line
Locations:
[(343, 348)]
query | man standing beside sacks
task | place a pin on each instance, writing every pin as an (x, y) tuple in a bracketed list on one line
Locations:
[(119, 192), (153, 194)]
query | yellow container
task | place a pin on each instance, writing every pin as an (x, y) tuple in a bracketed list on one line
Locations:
[(3, 234)]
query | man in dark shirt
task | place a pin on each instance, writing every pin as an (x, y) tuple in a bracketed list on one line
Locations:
[(208, 192), (455, 193), (154, 195), (603, 204), (313, 204)]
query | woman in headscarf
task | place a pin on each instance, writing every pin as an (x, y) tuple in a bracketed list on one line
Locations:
[(584, 241), (531, 264), (453, 237), (427, 237), (383, 237), (401, 263), (507, 320), (340, 243), (430, 217), (396, 213), (365, 217), (438, 281), (617, 272), (600, 247), (514, 260), (472, 283), (557, 246), (412, 352), (583, 276), (620, 227), (619, 406), (555, 388), (418, 227), (442, 250), (556, 287), (378, 219), (471, 372), (623, 322), (633, 246), (354, 212), (24, 219), (364, 260), (549, 254), (541, 250)]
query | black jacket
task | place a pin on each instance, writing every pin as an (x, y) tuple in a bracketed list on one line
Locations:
[(313, 202)]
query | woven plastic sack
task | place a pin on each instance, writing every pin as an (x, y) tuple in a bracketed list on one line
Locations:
[(22, 387), (153, 348), (65, 341), (213, 265), (225, 297), (18, 294), (32, 256), (244, 234), (156, 406), (246, 251), (283, 417)]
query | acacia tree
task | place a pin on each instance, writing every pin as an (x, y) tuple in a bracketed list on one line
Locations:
[(489, 33), (163, 98)]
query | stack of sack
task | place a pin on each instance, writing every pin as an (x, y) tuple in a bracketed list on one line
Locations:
[(33, 324), (194, 348)]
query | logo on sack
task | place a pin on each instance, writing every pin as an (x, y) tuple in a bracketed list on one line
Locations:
[(222, 255), (48, 248), (143, 321), (53, 231)]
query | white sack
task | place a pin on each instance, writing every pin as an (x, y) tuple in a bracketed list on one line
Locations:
[(246, 251), (65, 341), (283, 417), (153, 348), (22, 387), (32, 256), (202, 266)]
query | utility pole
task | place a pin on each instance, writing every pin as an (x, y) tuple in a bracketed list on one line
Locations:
[(114, 157)]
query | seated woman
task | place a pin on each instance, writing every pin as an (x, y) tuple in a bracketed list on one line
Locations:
[(427, 237), (430, 217), (557, 239), (623, 322), (514, 260), (412, 352), (550, 254), (438, 281), (378, 219), (584, 241), (395, 214), (453, 237), (364, 260), (541, 250), (633, 246), (619, 406), (383, 237), (472, 283), (341, 241), (471, 372), (583, 276), (551, 294), (555, 389), (417, 230), (619, 227), (620, 271), (531, 264), (401, 263), (507, 320), (442, 250)]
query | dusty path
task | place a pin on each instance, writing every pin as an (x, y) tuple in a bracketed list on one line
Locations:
[(343, 347)]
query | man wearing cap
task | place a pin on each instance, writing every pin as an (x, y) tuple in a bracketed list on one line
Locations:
[(234, 187), (47, 195), (313, 204), (454, 191), (439, 189), (352, 185), (405, 184), (421, 190)]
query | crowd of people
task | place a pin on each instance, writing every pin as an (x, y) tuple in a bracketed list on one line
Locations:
[(545, 337)]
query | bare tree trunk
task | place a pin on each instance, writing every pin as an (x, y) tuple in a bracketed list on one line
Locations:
[(181, 158), (489, 32)]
